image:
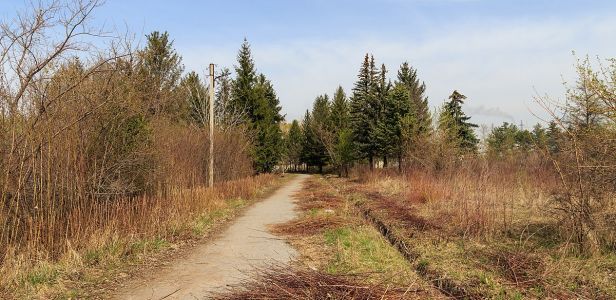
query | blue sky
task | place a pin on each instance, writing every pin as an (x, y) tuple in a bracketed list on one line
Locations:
[(498, 53)]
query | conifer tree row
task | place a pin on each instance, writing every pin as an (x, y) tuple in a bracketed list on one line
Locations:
[(381, 121)]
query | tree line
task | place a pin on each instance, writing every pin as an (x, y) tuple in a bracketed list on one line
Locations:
[(380, 121)]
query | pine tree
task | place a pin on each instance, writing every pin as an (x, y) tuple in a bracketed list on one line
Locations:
[(160, 68), (321, 111), (294, 143), (390, 132), (266, 126), (339, 111), (254, 96), (242, 89), (554, 137), (343, 150), (359, 116), (454, 123), (502, 139), (313, 150), (383, 129), (422, 121), (540, 136), (364, 112)]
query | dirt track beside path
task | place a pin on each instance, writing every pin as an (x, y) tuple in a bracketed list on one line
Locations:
[(225, 260)]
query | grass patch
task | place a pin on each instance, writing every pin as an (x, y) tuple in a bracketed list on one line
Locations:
[(41, 275), (362, 250)]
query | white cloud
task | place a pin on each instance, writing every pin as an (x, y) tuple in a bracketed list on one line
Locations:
[(497, 65)]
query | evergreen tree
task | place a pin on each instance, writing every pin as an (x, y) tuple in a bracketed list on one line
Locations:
[(343, 151), (160, 68), (384, 128), (418, 101), (502, 139), (339, 111), (243, 86), (364, 111), (266, 126), (524, 140), (225, 116), (390, 132), (254, 96), (321, 111), (539, 136), (313, 150), (294, 143), (454, 123), (554, 137)]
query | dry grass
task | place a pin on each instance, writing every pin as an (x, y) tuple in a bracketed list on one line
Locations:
[(284, 282), (476, 199), (308, 225), (496, 230), (108, 234), (518, 266), (314, 196)]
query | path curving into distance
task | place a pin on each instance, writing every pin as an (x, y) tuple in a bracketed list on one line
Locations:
[(246, 244)]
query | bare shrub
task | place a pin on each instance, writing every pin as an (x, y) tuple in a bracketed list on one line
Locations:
[(585, 155)]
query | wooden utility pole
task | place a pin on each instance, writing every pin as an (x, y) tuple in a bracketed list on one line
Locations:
[(211, 102)]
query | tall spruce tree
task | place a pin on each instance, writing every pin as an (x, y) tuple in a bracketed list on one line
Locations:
[(160, 68), (343, 151), (365, 111), (455, 124), (382, 130), (313, 150), (225, 116), (339, 111), (390, 130), (243, 86), (265, 125), (422, 121), (294, 143), (254, 96)]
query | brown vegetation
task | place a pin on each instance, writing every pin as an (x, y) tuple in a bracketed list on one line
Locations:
[(497, 228), (308, 225), (97, 146), (284, 282)]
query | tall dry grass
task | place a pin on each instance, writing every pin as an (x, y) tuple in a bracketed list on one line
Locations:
[(476, 198), (88, 226)]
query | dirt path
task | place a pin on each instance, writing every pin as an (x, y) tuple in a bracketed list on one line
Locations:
[(246, 244)]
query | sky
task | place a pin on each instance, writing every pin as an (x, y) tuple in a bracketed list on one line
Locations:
[(500, 54)]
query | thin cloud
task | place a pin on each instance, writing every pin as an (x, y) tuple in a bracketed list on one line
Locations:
[(495, 65)]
